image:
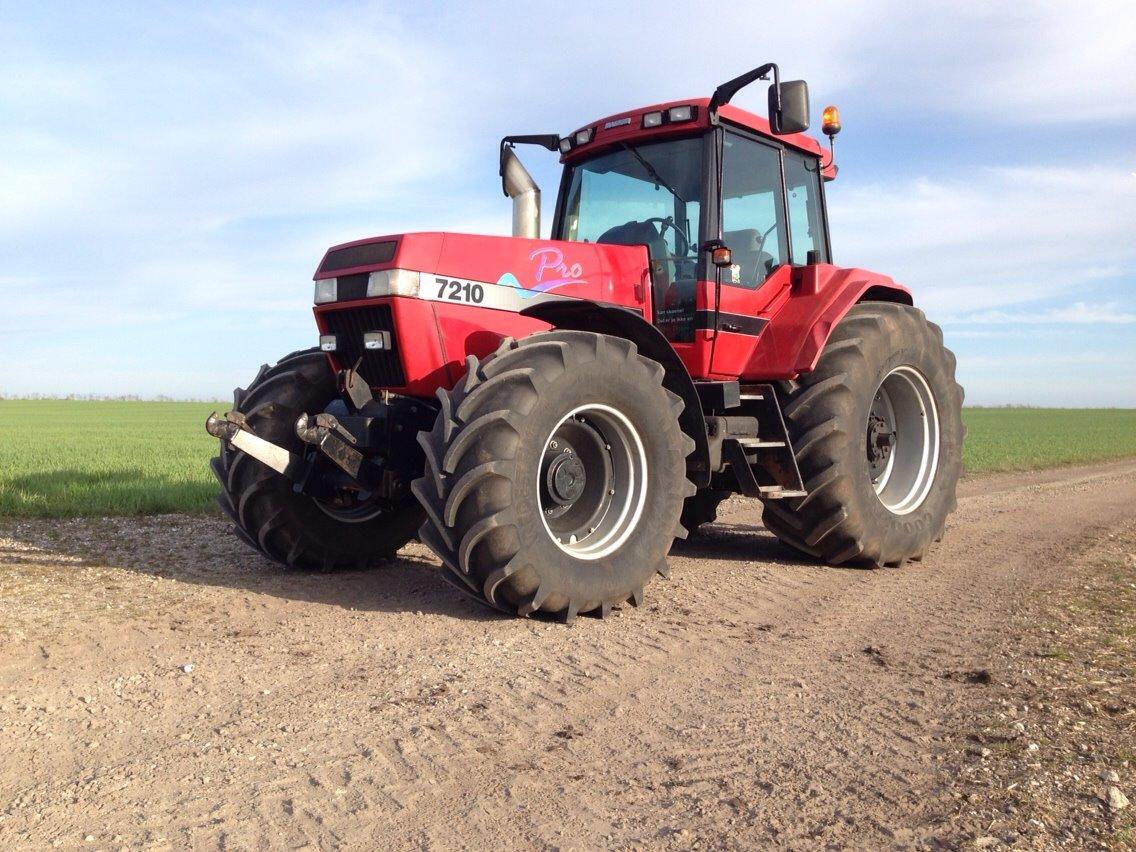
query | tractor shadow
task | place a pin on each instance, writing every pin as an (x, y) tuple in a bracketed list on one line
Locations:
[(203, 550), (734, 542)]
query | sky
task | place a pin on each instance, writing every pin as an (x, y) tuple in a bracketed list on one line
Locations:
[(171, 174)]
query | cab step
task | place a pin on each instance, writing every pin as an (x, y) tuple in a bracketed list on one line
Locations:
[(753, 442)]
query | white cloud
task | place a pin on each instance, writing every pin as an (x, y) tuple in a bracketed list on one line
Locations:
[(973, 364), (189, 168), (1076, 314), (1029, 63), (289, 115), (42, 177), (992, 237), (953, 332)]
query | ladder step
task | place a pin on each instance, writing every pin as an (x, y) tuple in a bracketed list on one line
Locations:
[(751, 396), (776, 492), (757, 443)]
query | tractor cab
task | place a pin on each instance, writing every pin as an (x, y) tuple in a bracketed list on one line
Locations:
[(723, 200)]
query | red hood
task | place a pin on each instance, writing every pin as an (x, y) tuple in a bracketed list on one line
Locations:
[(602, 273)]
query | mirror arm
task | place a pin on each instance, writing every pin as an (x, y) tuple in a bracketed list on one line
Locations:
[(727, 90), (551, 141)]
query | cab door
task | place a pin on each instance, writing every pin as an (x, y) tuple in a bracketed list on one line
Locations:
[(754, 227)]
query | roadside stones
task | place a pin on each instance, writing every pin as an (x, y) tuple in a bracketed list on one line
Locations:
[(1110, 776), (1115, 799)]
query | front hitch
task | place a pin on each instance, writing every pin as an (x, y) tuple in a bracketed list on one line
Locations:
[(372, 443), (235, 429), (225, 427), (334, 441)]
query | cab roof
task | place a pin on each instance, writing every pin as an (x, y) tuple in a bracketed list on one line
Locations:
[(628, 126)]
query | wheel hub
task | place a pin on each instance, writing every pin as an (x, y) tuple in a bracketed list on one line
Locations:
[(903, 440), (592, 482), (566, 478), (881, 439)]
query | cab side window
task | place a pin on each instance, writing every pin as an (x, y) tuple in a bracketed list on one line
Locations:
[(753, 210), (806, 217)]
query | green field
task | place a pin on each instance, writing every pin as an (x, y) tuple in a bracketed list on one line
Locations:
[(70, 457), (1028, 438), (63, 457)]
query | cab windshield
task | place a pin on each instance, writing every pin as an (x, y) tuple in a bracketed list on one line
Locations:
[(649, 195)]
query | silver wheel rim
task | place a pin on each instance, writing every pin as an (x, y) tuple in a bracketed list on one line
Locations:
[(903, 440), (599, 520), (357, 514), (351, 506)]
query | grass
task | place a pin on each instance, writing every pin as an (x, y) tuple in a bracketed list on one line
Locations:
[(1029, 438), (69, 457), (63, 458)]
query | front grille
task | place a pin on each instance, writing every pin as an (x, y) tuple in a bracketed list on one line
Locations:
[(379, 368)]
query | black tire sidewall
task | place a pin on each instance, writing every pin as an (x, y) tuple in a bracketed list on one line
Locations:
[(629, 387), (304, 385), (911, 532)]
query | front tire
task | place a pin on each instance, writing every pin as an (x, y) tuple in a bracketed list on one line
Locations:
[(555, 475), (287, 527), (877, 431)]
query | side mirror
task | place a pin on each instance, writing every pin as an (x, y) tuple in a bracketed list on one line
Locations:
[(789, 113)]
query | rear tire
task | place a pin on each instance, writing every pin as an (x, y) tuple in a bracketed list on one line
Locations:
[(555, 475), (285, 526), (883, 362)]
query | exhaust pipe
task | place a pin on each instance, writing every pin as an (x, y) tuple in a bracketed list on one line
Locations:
[(520, 187)]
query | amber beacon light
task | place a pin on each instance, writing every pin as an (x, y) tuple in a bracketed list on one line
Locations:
[(830, 121)]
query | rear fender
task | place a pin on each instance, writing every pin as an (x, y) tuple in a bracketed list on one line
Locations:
[(583, 315), (820, 296)]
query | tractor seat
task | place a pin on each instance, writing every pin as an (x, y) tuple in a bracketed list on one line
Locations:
[(636, 234), (755, 264)]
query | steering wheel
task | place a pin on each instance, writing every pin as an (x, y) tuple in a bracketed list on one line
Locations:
[(766, 233), (669, 222), (760, 251)]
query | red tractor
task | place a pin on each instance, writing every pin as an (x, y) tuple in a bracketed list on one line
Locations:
[(548, 416)]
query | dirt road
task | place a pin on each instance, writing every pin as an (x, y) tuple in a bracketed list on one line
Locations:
[(161, 685)]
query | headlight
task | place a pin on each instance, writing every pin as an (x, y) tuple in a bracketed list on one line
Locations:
[(327, 342), (393, 282), (326, 290), (377, 340)]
